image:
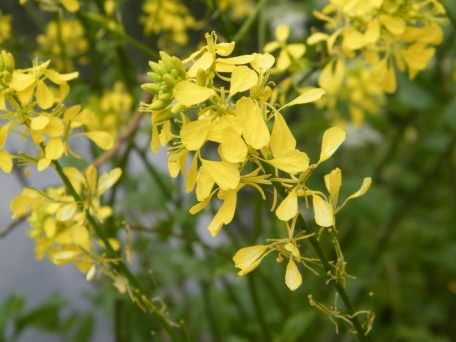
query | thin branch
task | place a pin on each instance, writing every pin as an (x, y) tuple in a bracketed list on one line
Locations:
[(12, 225)]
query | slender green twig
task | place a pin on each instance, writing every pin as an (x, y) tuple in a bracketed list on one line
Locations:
[(119, 266), (249, 21), (339, 288)]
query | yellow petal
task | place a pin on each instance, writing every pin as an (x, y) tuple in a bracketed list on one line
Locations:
[(224, 49), (226, 175), (283, 61), (176, 162), (316, 38), (54, 149), (255, 130), (190, 180), (58, 78), (293, 278), (102, 139), (90, 175), (395, 25), (296, 50), (203, 63), (204, 184), (44, 95), (70, 5), (4, 130), (332, 76), (22, 81), (242, 79), (282, 140), (43, 164), (189, 94), (282, 32), (39, 122), (332, 139), (248, 258), (288, 209), (6, 162), (333, 182), (323, 212), (262, 62), (365, 186), (292, 162), (232, 148), (194, 134), (66, 212), (225, 213), (307, 96), (108, 179)]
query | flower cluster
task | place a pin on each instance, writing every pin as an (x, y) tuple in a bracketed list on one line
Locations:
[(169, 19), (52, 43), (59, 223), (236, 8), (109, 113), (63, 42), (53, 5), (5, 28), (382, 36), (31, 107), (213, 100)]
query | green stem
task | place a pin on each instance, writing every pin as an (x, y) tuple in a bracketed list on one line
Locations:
[(120, 267), (249, 22), (339, 288)]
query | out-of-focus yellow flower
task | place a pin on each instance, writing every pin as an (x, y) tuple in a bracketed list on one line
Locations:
[(289, 53), (169, 19), (53, 5), (63, 42), (236, 8), (59, 224), (379, 36), (110, 113), (5, 28)]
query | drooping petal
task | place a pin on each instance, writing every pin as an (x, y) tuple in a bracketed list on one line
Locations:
[(288, 209), (293, 278), (225, 213), (255, 130), (332, 139), (248, 258), (292, 162), (324, 215), (333, 182), (282, 139)]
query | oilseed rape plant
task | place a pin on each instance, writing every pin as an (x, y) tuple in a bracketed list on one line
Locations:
[(201, 160)]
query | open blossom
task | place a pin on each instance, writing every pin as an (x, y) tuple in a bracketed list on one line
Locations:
[(32, 103)]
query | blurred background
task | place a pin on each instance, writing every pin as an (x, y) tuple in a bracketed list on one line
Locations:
[(399, 240)]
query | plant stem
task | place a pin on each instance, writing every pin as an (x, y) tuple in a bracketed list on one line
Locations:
[(249, 21), (120, 267), (339, 288)]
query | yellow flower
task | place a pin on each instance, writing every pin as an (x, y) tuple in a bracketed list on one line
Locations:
[(59, 225), (5, 28), (169, 19), (289, 53), (63, 42)]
